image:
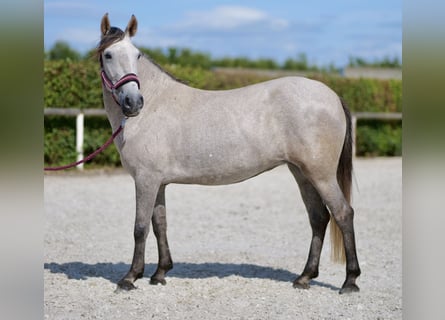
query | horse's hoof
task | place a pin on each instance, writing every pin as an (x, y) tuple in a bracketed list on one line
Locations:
[(349, 289), (125, 285), (300, 284), (156, 281)]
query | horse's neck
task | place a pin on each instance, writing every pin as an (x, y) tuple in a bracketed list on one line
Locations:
[(154, 81)]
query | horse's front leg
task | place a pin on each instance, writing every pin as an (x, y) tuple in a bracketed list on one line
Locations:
[(159, 221), (146, 192)]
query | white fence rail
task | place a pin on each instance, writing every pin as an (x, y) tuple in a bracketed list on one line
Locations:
[(81, 113)]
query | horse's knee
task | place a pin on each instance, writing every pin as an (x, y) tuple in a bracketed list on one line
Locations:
[(140, 231)]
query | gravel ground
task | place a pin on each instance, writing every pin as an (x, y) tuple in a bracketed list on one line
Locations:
[(236, 250)]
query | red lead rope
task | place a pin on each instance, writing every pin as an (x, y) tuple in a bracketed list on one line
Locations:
[(91, 156), (111, 87)]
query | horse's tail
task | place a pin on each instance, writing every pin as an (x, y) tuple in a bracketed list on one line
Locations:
[(344, 178)]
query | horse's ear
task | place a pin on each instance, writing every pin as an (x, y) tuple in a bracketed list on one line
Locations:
[(132, 26), (105, 25)]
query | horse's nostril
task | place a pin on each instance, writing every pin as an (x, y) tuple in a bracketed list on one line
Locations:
[(127, 101)]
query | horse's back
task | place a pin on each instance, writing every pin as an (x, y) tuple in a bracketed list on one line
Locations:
[(288, 100), (294, 118)]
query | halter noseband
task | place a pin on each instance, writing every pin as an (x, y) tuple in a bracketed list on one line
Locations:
[(113, 87)]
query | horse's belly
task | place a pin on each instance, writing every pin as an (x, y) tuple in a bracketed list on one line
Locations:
[(220, 175)]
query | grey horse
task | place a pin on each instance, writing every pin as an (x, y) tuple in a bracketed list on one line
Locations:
[(178, 134)]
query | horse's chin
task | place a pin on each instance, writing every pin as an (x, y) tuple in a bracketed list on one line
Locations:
[(132, 114)]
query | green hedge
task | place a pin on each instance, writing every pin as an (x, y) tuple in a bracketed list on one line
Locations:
[(377, 138), (77, 84), (372, 95), (70, 84)]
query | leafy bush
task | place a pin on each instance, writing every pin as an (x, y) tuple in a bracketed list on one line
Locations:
[(97, 131), (371, 95), (60, 144), (77, 84), (72, 84), (376, 138), (59, 141)]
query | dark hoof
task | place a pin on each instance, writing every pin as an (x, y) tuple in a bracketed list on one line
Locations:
[(156, 281), (300, 284), (125, 285), (349, 289)]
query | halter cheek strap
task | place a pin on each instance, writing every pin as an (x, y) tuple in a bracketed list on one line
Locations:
[(129, 77)]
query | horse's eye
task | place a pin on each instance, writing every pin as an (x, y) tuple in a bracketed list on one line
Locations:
[(107, 56), (139, 55)]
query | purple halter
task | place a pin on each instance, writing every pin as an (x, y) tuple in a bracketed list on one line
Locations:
[(113, 87)]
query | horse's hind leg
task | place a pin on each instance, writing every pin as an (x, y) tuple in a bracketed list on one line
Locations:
[(319, 219), (159, 221), (343, 214)]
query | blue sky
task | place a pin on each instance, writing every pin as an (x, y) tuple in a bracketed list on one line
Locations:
[(326, 31)]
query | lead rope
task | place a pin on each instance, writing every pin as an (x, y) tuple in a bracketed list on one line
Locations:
[(92, 155)]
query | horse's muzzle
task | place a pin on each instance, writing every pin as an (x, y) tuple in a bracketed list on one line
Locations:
[(132, 104)]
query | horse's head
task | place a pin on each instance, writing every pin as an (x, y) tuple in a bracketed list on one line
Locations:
[(118, 58)]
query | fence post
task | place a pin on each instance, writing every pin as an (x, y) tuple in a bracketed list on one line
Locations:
[(354, 134), (79, 138)]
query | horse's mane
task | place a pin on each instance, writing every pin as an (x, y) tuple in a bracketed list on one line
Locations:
[(163, 70)]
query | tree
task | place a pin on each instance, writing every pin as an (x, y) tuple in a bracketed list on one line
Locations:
[(61, 51), (386, 62), (299, 64)]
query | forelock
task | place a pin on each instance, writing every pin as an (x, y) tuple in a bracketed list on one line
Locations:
[(113, 35)]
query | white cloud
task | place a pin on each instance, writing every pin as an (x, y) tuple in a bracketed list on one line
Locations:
[(147, 37), (87, 36), (225, 18)]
